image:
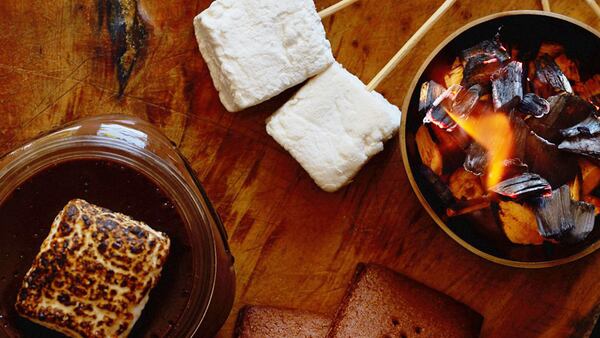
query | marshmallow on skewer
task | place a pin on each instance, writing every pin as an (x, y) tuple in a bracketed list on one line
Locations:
[(333, 125), (257, 49)]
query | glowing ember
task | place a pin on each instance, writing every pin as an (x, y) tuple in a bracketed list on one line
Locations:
[(487, 62)]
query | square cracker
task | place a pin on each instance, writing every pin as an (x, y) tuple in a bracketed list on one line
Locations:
[(271, 322), (383, 303)]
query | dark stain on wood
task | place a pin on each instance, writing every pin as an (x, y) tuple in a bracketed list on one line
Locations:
[(585, 326), (242, 229), (128, 35), (100, 8)]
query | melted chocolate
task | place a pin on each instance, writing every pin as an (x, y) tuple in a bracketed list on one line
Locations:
[(28, 212)]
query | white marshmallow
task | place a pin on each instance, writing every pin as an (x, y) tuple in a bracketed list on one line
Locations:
[(257, 49), (333, 125)]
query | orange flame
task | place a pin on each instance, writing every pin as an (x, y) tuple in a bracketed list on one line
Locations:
[(493, 132)]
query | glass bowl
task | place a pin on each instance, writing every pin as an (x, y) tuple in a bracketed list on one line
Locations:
[(195, 293)]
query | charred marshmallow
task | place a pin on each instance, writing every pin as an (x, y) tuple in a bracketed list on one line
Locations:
[(93, 274)]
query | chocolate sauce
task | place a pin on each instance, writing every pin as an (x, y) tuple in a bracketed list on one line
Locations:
[(27, 214)]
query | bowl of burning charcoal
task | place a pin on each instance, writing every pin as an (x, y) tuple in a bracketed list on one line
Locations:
[(501, 138)]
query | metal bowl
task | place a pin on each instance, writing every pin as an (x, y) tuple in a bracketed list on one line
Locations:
[(582, 43)]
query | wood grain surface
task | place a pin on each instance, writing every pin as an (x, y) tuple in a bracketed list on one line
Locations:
[(295, 245)]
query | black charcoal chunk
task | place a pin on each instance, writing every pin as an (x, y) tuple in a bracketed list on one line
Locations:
[(481, 61), (554, 215), (544, 158), (439, 188), (566, 110), (533, 105), (455, 99), (583, 221), (595, 99), (587, 146), (430, 91), (523, 186), (437, 114), (478, 70), (488, 48), (476, 160), (465, 101), (514, 167), (586, 128), (520, 134), (507, 86), (549, 79)]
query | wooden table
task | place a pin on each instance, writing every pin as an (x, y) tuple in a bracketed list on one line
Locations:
[(295, 245)]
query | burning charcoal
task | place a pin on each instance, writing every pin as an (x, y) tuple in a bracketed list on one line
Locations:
[(489, 49), (551, 49), (520, 133), (595, 201), (430, 153), (507, 86), (465, 186), (554, 213), (478, 70), (568, 67), (566, 110), (575, 188), (585, 128), (514, 167), (523, 186), (437, 113), (481, 61), (549, 79), (528, 83), (589, 90), (456, 74), (545, 159), (590, 176), (527, 51), (430, 91), (534, 105), (541, 156), (519, 223), (583, 221), (487, 225), (452, 144), (476, 160), (589, 147), (465, 101), (439, 187), (453, 141)]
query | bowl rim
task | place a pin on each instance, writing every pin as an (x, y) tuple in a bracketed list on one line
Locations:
[(405, 160)]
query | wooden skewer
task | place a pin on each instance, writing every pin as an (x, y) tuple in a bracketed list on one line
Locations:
[(467, 210), (409, 45), (334, 8), (546, 5), (594, 6)]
